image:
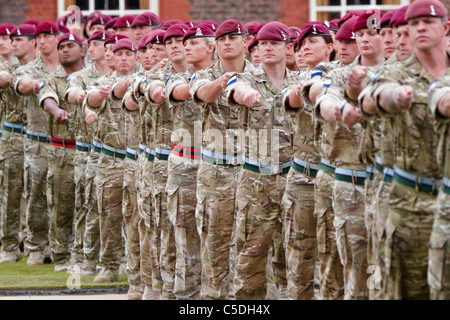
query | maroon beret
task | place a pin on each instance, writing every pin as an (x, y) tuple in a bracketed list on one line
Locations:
[(345, 31), (176, 30), (124, 22), (47, 27), (125, 44), (331, 25), (146, 19), (111, 23), (200, 31), (274, 31), (70, 37), (34, 23), (167, 24), (64, 29), (75, 15), (295, 33), (212, 24), (61, 21), (115, 38), (23, 30), (231, 26), (251, 26), (398, 15), (426, 8), (156, 37), (143, 42), (6, 29), (93, 15), (313, 29), (252, 44), (192, 24), (101, 35), (368, 20), (348, 16), (101, 19)]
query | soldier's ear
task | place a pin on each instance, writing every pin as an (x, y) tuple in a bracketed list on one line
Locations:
[(289, 46)]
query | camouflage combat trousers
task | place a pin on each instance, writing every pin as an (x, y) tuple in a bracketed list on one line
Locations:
[(109, 183), (61, 201), (181, 203), (216, 196), (11, 188), (351, 237), (167, 249), (35, 180), (408, 230), (81, 209), (300, 237), (91, 238), (132, 220), (331, 270), (258, 212), (439, 254)]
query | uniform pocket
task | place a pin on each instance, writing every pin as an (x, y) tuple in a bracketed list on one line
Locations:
[(288, 208), (322, 241), (172, 202), (50, 187), (436, 261), (389, 249), (200, 214), (341, 240), (242, 221)]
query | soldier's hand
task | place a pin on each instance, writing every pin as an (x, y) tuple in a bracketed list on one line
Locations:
[(403, 97), (60, 116), (351, 115), (36, 84), (81, 96), (91, 117), (225, 78), (356, 76), (295, 97), (251, 98), (105, 92), (158, 94)]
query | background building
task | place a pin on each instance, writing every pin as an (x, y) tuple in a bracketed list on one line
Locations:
[(290, 12)]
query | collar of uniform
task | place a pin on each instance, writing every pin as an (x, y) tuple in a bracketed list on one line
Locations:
[(414, 66), (60, 72)]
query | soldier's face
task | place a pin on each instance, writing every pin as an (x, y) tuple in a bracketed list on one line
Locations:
[(299, 60), (254, 56), (144, 55), (388, 42), (272, 52), (69, 53), (370, 43), (197, 50), (315, 50), (97, 27), (6, 47), (403, 43), (109, 56), (140, 31), (175, 49), (47, 43), (348, 51), (290, 56), (159, 52), (427, 32), (97, 50), (231, 46), (22, 46), (126, 32), (125, 61)]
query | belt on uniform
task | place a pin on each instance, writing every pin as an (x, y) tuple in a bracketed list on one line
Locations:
[(132, 154), (190, 153), (388, 174), (70, 144), (113, 152), (16, 128), (370, 172), (37, 136), (220, 159), (305, 167), (141, 149), (446, 185), (97, 146), (162, 154), (326, 166), (378, 164), (422, 184), (150, 154), (348, 175), (82, 146), (266, 169)]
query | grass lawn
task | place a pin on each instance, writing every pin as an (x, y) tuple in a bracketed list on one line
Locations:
[(19, 276)]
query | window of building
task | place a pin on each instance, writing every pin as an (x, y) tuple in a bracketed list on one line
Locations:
[(109, 7), (321, 10)]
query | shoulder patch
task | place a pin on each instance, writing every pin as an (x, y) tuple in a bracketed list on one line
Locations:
[(193, 77), (232, 80), (327, 82), (167, 79), (373, 78), (316, 73), (432, 86)]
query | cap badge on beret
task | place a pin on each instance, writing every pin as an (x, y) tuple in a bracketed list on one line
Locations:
[(353, 36), (283, 35), (104, 36), (101, 19), (327, 23), (433, 12), (239, 29), (198, 32), (157, 38), (71, 38), (7, 31), (128, 24), (18, 32), (184, 30), (132, 47), (314, 29)]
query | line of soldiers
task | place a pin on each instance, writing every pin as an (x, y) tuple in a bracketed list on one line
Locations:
[(231, 161)]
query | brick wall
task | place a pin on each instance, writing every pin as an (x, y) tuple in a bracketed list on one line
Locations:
[(42, 10), (12, 12)]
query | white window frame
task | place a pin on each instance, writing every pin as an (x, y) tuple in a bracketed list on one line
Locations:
[(153, 5), (344, 8)]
